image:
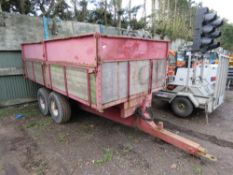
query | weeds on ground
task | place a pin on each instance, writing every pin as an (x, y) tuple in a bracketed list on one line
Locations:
[(40, 166), (62, 138), (27, 111), (1, 169), (123, 150), (127, 148), (106, 156), (86, 128), (39, 124), (197, 170), (4, 112)]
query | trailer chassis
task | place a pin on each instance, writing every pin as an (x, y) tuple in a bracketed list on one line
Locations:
[(146, 124)]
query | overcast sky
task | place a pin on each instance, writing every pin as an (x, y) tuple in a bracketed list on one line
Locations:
[(224, 8)]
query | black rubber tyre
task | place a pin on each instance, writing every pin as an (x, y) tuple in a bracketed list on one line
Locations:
[(182, 107), (42, 98), (59, 108)]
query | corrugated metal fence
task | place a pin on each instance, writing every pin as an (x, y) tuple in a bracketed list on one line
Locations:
[(14, 88)]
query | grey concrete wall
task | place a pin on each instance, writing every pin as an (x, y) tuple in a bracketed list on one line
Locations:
[(21, 28), (17, 29)]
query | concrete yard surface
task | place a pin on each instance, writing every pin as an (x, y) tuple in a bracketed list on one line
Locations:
[(92, 145)]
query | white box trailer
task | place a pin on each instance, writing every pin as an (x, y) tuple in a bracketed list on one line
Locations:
[(200, 93)]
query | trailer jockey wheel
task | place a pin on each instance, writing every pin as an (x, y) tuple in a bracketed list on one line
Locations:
[(139, 114), (59, 108), (182, 107), (42, 98)]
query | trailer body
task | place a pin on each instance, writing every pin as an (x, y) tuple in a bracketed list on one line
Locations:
[(98, 71), (110, 76)]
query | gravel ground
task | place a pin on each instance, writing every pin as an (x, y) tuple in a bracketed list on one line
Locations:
[(93, 145)]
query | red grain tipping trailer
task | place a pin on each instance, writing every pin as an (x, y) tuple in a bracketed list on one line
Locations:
[(110, 76)]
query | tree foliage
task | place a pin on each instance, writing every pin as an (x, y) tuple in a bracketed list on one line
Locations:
[(173, 18), (227, 36), (16, 6), (167, 18)]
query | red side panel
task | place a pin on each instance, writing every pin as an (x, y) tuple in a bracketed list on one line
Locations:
[(78, 51), (122, 48), (33, 51)]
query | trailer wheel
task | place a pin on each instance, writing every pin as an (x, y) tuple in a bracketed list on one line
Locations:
[(59, 108), (42, 98), (182, 107)]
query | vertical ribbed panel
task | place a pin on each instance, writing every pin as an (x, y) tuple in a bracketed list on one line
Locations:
[(159, 73), (38, 73), (14, 86), (10, 59)]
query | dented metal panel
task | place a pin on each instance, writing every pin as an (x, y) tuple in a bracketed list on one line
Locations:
[(77, 82), (122, 48), (79, 51), (33, 51), (114, 81), (57, 77), (29, 69), (47, 76), (93, 88), (139, 76), (38, 73)]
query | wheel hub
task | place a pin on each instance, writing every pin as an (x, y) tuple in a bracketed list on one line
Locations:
[(42, 103), (54, 108), (181, 106)]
